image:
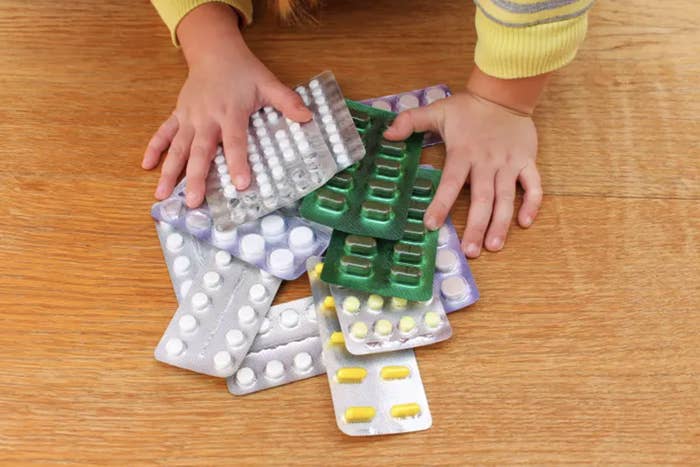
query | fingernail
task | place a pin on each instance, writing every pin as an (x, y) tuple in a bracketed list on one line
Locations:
[(430, 222), (473, 250), (527, 222), (160, 192), (241, 182), (192, 199), (496, 243)]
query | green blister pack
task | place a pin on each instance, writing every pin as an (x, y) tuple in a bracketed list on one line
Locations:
[(394, 268), (371, 197)]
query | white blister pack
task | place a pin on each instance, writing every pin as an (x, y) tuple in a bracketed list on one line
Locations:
[(372, 323), (279, 243), (453, 277), (325, 99), (375, 394), (216, 322), (184, 256), (287, 161)]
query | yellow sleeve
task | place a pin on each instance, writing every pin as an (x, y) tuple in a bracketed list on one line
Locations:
[(522, 38), (172, 11)]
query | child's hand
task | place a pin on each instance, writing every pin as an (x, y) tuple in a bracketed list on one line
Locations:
[(491, 147), (225, 85)]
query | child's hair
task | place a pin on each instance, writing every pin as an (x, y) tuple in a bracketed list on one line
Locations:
[(296, 11)]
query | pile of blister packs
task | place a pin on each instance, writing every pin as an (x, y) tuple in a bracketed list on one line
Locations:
[(332, 186)]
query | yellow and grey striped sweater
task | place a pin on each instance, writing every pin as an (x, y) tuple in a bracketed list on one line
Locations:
[(517, 38)]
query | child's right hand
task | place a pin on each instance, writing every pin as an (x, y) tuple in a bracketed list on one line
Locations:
[(225, 85)]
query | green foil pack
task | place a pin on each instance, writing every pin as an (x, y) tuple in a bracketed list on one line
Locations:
[(371, 197), (403, 268)]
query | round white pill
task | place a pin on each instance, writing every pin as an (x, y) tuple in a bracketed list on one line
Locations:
[(268, 110), (281, 260), (257, 121), (199, 301), (446, 260), (434, 94), (323, 109), (174, 242), (278, 173), (266, 142), (212, 279), (245, 376), (225, 179), (252, 149), (266, 276), (265, 326), (272, 226), (261, 132), (269, 152), (295, 128), (304, 147), (327, 119), (274, 369), (222, 258), (185, 287), (181, 265), (225, 235), (338, 148), (257, 293), (300, 90), (223, 360), (273, 161), (408, 101), (443, 235), (252, 247), (314, 84), (219, 160), (222, 169), (383, 105), (174, 347), (334, 139), (230, 191), (302, 361), (187, 323), (301, 240), (235, 338), (266, 190), (280, 134), (289, 318), (246, 314), (284, 144), (258, 167), (273, 117), (331, 128), (454, 288), (288, 154)]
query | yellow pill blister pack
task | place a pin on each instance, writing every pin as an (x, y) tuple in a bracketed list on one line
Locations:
[(376, 394), (372, 323)]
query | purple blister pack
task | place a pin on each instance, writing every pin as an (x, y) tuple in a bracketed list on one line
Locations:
[(453, 277), (278, 243), (411, 100)]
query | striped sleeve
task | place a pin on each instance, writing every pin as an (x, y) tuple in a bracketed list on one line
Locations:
[(172, 11), (521, 38)]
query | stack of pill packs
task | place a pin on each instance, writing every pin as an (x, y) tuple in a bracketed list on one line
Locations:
[(330, 198)]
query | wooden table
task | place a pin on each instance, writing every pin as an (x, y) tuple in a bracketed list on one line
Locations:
[(583, 348)]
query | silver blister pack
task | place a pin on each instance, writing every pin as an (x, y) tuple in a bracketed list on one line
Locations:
[(279, 243), (287, 322), (453, 277), (374, 394), (216, 322), (184, 256), (287, 161), (325, 99), (372, 323)]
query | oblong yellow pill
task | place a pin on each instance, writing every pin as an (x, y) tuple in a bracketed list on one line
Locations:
[(405, 410), (329, 303), (395, 372), (352, 375), (359, 414), (337, 338)]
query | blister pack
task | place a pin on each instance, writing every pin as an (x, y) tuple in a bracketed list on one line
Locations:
[(375, 394), (372, 323), (372, 197), (411, 100), (184, 256), (217, 321), (287, 161), (453, 277), (279, 243), (403, 268)]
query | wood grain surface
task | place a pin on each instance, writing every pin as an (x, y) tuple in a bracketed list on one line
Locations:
[(583, 349)]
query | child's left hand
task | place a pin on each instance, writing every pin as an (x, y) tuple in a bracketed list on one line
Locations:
[(491, 147)]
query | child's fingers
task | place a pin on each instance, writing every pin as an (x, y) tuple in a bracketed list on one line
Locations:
[(288, 102), (235, 141), (201, 154), (159, 142), (174, 161), (503, 209), (409, 121), (482, 189), (453, 177), (529, 178)]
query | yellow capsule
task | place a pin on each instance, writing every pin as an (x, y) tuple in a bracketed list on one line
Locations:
[(337, 338), (352, 375), (318, 269), (329, 303), (359, 414), (395, 372), (405, 410)]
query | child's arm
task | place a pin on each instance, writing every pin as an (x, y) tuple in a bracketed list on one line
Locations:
[(225, 85), (490, 137)]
